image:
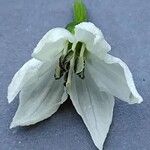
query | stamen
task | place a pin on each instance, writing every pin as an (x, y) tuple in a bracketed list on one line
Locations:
[(58, 72), (82, 50), (72, 62), (80, 62), (64, 61), (65, 48)]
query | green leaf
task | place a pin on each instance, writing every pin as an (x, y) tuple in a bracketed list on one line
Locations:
[(80, 12)]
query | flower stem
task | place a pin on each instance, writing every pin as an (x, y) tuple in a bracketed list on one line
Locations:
[(80, 15)]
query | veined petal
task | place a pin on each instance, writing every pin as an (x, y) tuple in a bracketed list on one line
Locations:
[(39, 101), (29, 73), (94, 106), (52, 44), (100, 48), (113, 76), (92, 36)]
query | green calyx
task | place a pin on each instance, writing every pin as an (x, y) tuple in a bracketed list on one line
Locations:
[(80, 15)]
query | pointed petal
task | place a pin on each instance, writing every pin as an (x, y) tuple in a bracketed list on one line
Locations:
[(92, 36), (28, 74), (52, 44), (39, 101), (94, 106), (113, 76)]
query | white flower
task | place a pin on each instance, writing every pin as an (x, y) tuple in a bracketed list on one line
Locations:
[(92, 79)]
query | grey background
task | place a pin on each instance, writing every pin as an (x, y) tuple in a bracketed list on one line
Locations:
[(126, 26)]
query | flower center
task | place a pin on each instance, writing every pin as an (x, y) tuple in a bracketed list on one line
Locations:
[(71, 61)]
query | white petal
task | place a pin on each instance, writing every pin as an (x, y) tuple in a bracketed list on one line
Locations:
[(113, 76), (52, 44), (39, 101), (92, 36), (28, 74), (94, 106)]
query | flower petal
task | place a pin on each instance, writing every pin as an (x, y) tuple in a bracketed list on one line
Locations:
[(52, 44), (94, 106), (92, 36), (39, 101), (27, 74), (113, 76)]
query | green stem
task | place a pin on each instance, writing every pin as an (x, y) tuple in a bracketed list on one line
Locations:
[(79, 13)]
